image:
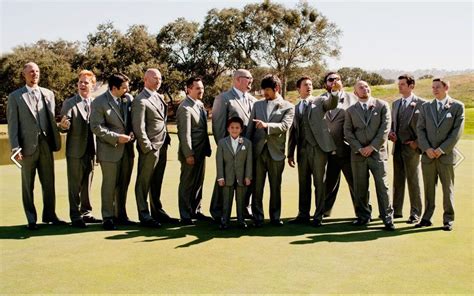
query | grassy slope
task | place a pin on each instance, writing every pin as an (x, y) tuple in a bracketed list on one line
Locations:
[(337, 258)]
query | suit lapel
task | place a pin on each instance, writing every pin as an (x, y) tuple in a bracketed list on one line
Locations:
[(445, 111), (81, 104), (228, 142), (414, 100), (114, 107), (434, 113), (238, 100), (360, 112), (163, 112), (26, 99), (396, 106)]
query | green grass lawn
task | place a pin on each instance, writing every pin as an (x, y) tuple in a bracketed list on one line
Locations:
[(336, 258)]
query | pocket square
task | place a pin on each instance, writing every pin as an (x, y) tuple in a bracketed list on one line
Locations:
[(313, 106), (375, 113), (417, 111), (243, 148), (449, 115)]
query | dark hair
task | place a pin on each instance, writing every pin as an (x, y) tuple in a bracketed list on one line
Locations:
[(329, 74), (409, 78), (190, 81), (442, 80), (117, 79), (298, 83), (235, 119), (270, 81)]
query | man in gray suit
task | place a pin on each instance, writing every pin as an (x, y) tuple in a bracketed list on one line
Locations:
[(366, 128), (310, 135), (236, 102), (80, 150), (269, 122), (439, 127), (111, 123), (32, 128), (341, 160), (149, 116), (406, 154), (194, 147)]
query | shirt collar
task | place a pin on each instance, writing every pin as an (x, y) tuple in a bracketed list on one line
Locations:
[(115, 98), (408, 100), (151, 92), (30, 89), (239, 93), (443, 101)]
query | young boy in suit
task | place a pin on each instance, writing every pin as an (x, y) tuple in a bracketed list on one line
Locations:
[(234, 170)]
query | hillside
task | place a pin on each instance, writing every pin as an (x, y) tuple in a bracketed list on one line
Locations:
[(462, 88)]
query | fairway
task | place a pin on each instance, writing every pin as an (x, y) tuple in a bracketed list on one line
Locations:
[(336, 258)]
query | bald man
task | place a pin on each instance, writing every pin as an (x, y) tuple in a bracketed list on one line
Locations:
[(366, 128), (32, 128), (149, 116)]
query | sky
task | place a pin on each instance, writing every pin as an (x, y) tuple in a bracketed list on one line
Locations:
[(402, 35)]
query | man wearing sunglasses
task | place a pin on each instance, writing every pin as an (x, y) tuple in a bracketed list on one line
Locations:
[(341, 160)]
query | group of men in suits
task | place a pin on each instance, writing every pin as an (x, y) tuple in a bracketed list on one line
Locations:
[(331, 133)]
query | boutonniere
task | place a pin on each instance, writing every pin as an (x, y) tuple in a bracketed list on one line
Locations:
[(240, 141), (413, 104), (123, 100), (447, 106), (279, 106), (371, 106)]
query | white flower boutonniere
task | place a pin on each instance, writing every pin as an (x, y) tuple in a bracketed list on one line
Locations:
[(413, 104), (240, 140), (447, 106)]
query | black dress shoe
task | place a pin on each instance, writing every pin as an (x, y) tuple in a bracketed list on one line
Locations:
[(317, 223), (360, 222), (109, 225), (201, 217), (150, 223), (243, 225), (56, 222), (397, 216), (32, 226), (276, 222), (412, 220), (423, 223), (258, 223), (186, 222), (389, 227), (448, 227), (91, 219), (124, 222), (223, 226), (248, 216), (299, 220), (78, 224), (167, 220)]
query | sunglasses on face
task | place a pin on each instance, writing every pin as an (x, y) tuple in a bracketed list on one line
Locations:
[(332, 79)]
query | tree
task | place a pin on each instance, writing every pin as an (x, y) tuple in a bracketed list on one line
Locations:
[(350, 76), (293, 38), (54, 58)]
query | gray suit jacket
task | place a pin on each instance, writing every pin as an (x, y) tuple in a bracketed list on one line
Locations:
[(335, 122), (444, 133), (192, 131), (318, 108), (274, 136), (227, 105), (149, 122), (76, 142), (23, 129), (107, 123), (374, 132), (415, 106), (230, 166)]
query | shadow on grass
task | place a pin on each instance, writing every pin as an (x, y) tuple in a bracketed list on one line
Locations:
[(334, 230)]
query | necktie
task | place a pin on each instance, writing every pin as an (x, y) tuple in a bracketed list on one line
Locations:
[(87, 108), (123, 109), (38, 106), (305, 107), (403, 106), (440, 107), (366, 113)]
